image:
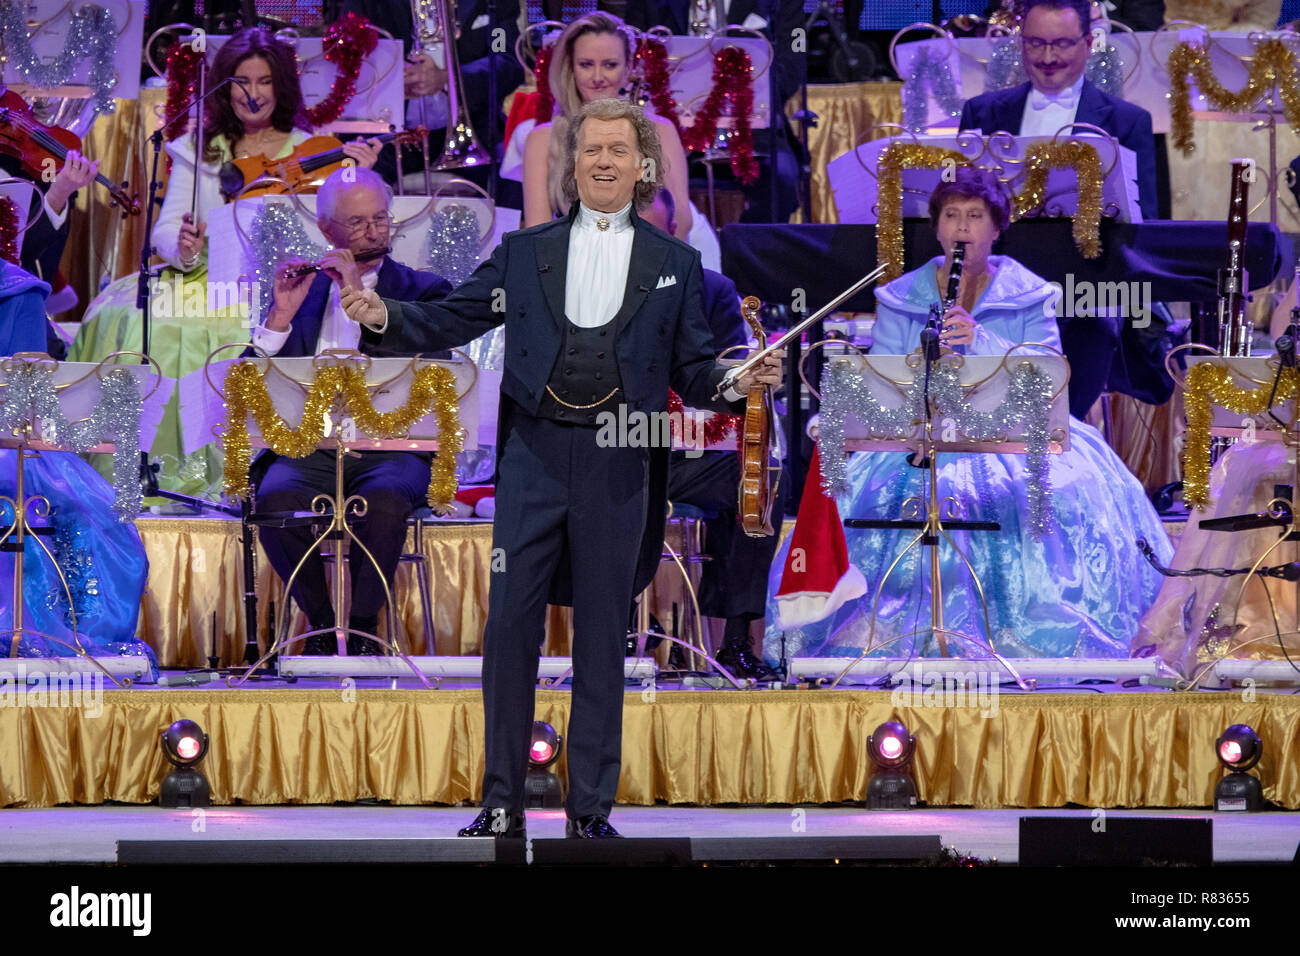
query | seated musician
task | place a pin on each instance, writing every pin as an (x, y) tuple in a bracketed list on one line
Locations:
[(97, 556), (259, 113), (44, 239), (1054, 596), (305, 318), (1056, 41), (732, 584)]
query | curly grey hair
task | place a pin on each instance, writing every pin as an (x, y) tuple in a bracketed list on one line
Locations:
[(647, 147)]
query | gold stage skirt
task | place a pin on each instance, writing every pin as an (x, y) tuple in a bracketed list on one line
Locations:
[(278, 746)]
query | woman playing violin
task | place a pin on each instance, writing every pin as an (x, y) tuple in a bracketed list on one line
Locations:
[(259, 113)]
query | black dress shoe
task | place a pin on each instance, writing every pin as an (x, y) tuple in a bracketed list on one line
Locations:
[(742, 662), (496, 822), (359, 646), (321, 645), (594, 827)]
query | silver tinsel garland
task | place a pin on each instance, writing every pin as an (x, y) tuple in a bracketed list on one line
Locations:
[(29, 396), (454, 242), (845, 394), (930, 75), (1006, 68), (92, 33), (278, 236)]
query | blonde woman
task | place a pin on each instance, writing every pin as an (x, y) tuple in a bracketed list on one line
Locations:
[(591, 61)]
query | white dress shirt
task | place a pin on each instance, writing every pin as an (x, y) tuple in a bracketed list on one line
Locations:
[(596, 275), (1045, 113), (337, 331)]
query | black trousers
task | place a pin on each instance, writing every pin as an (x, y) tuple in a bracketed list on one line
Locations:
[(561, 499), (734, 582), (393, 483)]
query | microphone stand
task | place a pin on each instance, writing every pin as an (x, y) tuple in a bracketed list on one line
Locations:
[(143, 298), (494, 163)]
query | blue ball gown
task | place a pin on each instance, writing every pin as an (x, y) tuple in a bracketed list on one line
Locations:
[(101, 558), (1080, 591)]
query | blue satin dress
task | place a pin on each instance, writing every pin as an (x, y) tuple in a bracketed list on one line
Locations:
[(1080, 591), (101, 558)]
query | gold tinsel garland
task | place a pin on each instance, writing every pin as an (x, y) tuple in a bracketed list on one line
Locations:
[(1273, 66), (1083, 159), (889, 168), (433, 388), (1209, 384), (1039, 159)]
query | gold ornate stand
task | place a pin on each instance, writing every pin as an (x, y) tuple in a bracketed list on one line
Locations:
[(936, 510), (14, 541), (338, 507)]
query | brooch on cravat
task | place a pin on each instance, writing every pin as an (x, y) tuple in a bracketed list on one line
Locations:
[(602, 223)]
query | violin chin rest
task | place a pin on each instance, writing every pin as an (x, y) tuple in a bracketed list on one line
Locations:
[(231, 179)]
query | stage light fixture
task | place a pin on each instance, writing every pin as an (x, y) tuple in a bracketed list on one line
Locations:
[(1238, 749), (184, 744), (543, 788), (890, 748)]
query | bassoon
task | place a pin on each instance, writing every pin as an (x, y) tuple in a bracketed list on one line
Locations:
[(1234, 328)]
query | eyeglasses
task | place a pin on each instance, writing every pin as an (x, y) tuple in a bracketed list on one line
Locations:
[(358, 224), (1063, 45)]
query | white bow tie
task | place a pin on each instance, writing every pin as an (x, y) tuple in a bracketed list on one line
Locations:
[(1040, 101)]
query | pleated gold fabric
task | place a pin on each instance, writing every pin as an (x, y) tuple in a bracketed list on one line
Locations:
[(119, 142), (195, 571), (419, 747), (846, 112)]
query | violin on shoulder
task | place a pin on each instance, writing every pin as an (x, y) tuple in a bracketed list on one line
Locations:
[(305, 168)]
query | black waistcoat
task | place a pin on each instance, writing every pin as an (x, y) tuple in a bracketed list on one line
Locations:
[(585, 373)]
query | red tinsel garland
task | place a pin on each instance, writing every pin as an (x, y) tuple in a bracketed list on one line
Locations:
[(716, 426), (9, 230), (348, 41), (732, 83), (183, 68), (544, 103), (654, 55)]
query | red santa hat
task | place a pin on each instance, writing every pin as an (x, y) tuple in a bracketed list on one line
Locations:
[(819, 578)]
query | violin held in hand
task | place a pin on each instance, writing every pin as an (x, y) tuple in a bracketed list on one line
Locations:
[(307, 166), (36, 146)]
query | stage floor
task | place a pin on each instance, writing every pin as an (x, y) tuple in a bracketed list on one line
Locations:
[(90, 834)]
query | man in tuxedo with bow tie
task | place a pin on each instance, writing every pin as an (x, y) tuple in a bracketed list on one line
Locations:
[(1055, 43), (306, 319), (603, 314)]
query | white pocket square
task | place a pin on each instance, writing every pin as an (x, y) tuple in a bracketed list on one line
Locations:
[(666, 281)]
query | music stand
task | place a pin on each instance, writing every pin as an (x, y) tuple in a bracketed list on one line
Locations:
[(388, 380), (901, 381), (1278, 422), (77, 387)]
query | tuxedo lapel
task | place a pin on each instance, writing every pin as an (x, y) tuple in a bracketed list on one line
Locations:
[(1093, 107), (311, 316), (552, 267), (1011, 110), (648, 255)]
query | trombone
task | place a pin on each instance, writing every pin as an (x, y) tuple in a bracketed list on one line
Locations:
[(436, 32)]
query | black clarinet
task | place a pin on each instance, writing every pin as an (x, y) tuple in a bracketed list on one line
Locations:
[(954, 276), (934, 325)]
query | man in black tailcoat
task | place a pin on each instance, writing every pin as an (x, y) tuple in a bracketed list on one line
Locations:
[(603, 314)]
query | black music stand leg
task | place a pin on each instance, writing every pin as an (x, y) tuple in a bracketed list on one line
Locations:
[(251, 652)]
